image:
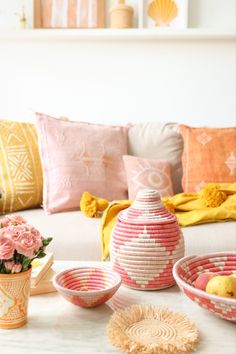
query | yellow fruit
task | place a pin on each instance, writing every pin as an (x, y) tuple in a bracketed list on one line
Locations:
[(233, 275), (222, 285)]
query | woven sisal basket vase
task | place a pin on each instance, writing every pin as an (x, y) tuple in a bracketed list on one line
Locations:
[(145, 243)]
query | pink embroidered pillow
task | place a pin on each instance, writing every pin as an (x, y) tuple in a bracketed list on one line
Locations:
[(78, 157), (146, 173)]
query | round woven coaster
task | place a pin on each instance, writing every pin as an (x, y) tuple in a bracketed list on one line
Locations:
[(152, 330)]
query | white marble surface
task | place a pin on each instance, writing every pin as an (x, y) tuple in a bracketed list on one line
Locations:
[(56, 326)]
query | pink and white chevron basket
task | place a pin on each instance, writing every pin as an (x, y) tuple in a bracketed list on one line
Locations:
[(145, 243)]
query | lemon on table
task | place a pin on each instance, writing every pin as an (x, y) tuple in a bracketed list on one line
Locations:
[(222, 285)]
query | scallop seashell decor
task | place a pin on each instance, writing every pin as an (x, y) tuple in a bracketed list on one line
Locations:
[(145, 243), (163, 12)]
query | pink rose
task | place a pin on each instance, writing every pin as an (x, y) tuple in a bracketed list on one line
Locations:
[(36, 233), (28, 240), (17, 267), (8, 265), (13, 232), (13, 267), (7, 246), (12, 220)]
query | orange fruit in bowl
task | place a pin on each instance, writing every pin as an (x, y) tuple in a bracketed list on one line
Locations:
[(203, 279)]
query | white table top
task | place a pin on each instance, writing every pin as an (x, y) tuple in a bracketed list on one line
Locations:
[(57, 326)]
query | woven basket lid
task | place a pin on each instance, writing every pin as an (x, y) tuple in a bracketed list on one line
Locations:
[(147, 209)]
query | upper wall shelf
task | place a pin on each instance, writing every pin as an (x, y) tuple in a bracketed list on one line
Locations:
[(134, 34)]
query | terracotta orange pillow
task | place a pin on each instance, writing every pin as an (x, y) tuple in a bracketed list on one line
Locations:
[(209, 156), (78, 157), (147, 173)]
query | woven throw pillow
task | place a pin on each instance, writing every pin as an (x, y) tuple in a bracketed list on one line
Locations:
[(78, 157), (209, 156), (146, 173), (160, 141), (20, 167)]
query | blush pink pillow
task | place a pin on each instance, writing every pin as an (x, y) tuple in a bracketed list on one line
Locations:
[(78, 157), (147, 173)]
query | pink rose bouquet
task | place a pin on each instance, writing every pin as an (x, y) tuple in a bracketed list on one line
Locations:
[(20, 244)]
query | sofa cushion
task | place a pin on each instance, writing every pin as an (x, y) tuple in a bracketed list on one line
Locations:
[(76, 237), (78, 157), (213, 150), (147, 173), (20, 167), (161, 141), (212, 237)]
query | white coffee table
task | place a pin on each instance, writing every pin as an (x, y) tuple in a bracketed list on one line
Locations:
[(57, 326)]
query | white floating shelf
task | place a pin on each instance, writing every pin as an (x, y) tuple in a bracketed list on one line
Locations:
[(134, 34)]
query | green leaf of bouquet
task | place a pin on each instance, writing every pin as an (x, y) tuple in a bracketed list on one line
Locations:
[(41, 254), (46, 241), (26, 263), (1, 225), (17, 257)]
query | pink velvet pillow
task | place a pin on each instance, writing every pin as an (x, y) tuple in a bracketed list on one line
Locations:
[(147, 173), (78, 157)]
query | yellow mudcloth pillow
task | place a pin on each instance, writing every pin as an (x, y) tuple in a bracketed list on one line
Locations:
[(20, 167)]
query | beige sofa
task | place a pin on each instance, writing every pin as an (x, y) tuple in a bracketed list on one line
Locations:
[(77, 237)]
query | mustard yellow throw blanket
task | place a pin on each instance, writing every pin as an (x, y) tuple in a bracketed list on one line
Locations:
[(214, 203), (108, 222)]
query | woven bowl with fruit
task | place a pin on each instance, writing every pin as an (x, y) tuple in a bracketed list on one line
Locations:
[(210, 281)]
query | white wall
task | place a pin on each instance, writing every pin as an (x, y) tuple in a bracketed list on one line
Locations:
[(212, 13), (186, 81)]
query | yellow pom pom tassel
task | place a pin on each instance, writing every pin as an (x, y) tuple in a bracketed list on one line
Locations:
[(92, 206), (212, 195), (168, 204)]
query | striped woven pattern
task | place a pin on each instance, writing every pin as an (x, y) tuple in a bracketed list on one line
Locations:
[(187, 270), (145, 243), (73, 13), (87, 286)]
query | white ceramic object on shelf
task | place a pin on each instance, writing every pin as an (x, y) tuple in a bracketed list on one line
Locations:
[(145, 243)]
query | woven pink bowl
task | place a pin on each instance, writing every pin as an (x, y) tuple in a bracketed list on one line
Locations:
[(187, 269), (87, 286)]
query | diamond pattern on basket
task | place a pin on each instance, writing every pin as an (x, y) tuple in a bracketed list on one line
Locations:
[(145, 243)]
